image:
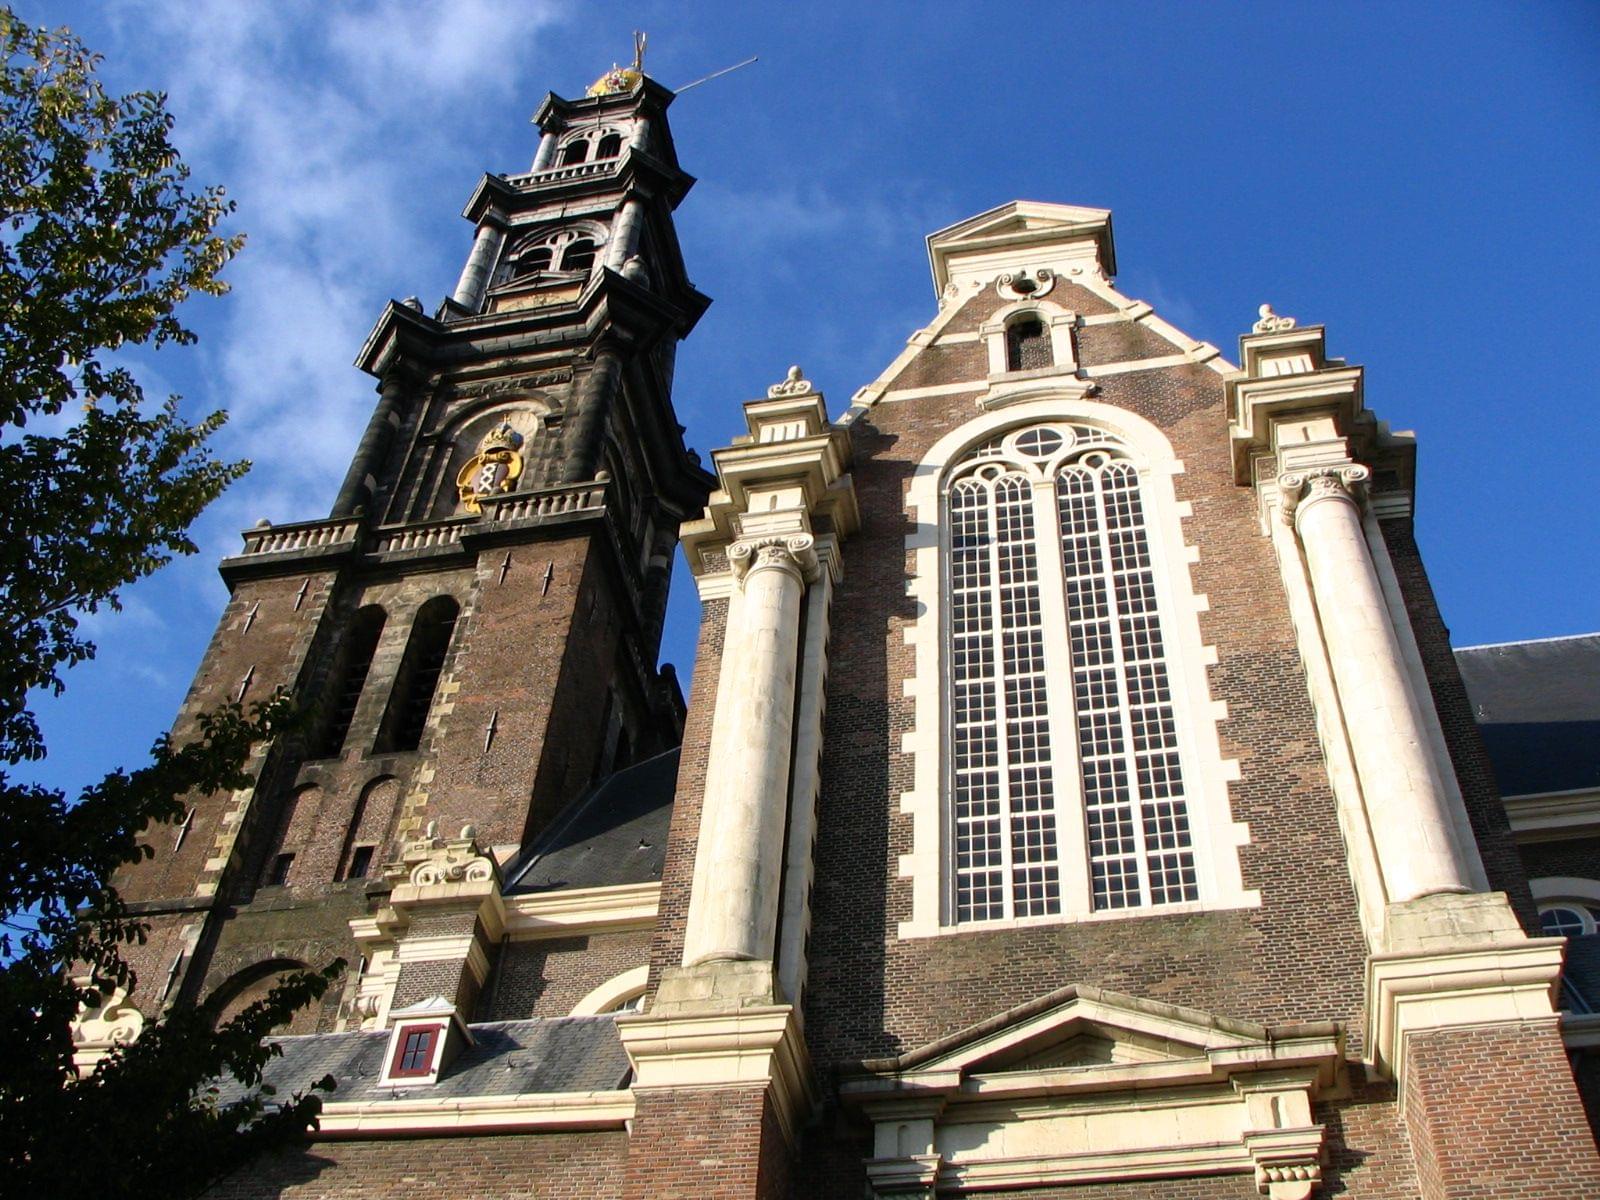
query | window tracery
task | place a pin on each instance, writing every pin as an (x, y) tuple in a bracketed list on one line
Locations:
[(1049, 577)]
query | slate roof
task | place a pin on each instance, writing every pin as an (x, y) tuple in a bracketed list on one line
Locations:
[(613, 834), (1538, 708), (1582, 972), (564, 1054)]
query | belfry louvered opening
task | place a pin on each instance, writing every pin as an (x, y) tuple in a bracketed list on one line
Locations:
[(418, 677), (1057, 792)]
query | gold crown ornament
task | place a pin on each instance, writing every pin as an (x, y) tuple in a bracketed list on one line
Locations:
[(493, 470), (622, 79)]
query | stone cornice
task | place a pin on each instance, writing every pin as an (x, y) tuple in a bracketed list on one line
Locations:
[(743, 1048), (441, 1115), (1550, 816), (788, 476), (1468, 987)]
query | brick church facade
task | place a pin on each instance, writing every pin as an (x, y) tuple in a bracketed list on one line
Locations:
[(1078, 795)]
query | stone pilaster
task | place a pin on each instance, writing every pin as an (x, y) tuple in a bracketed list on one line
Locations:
[(1405, 798), (1460, 1002), (721, 1039)]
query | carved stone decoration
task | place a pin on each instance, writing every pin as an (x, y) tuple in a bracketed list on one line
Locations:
[(430, 860), (1271, 322), (480, 389), (115, 1022), (1287, 1160), (1025, 284), (796, 553), (1301, 488), (792, 385), (951, 291)]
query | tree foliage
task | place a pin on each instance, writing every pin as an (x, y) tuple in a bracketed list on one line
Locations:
[(101, 241)]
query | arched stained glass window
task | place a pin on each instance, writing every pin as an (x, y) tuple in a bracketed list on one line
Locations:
[(1064, 779)]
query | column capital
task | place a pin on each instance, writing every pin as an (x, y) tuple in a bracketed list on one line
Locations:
[(794, 553), (1301, 489)]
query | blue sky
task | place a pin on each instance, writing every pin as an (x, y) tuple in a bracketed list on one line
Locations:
[(1423, 179)]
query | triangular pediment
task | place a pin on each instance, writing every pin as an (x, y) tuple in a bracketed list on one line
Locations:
[(1021, 227), (1020, 217), (1083, 1027)]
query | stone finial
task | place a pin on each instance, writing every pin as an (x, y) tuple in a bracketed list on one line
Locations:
[(1271, 322), (793, 385)]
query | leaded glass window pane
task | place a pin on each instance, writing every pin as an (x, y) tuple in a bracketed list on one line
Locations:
[(1010, 660)]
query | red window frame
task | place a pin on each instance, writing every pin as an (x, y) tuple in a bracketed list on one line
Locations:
[(414, 1039)]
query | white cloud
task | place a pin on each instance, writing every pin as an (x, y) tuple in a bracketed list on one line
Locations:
[(316, 116)]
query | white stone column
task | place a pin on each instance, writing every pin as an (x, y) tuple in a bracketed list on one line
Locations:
[(475, 275), (742, 821), (625, 233), (1406, 801), (546, 152)]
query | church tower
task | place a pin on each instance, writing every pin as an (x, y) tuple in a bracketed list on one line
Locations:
[(1077, 795), (476, 622)]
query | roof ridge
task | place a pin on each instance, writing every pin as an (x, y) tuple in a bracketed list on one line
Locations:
[(1560, 637)]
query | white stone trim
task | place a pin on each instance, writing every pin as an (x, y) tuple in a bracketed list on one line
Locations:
[(613, 992), (582, 910), (1058, 321), (1216, 836), (1471, 987), (440, 1115), (1565, 887), (1196, 1096), (1552, 816), (743, 1048)]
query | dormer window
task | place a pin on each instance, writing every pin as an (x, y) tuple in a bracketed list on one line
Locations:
[(1027, 344), (610, 146), (575, 152), (414, 1054), (578, 256)]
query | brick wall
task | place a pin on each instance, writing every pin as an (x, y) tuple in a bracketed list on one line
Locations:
[(677, 875), (706, 1144), (1298, 956), (545, 978), (272, 650), (1576, 859), (537, 1166), (1493, 1114)]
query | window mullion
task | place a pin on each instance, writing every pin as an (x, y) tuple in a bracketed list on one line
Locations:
[(997, 627), (1129, 764), (1072, 846)]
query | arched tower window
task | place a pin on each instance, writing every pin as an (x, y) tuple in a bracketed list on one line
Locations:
[(1057, 790), (418, 676), (578, 256), (610, 146), (349, 676), (574, 152), (1027, 344), (534, 260)]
